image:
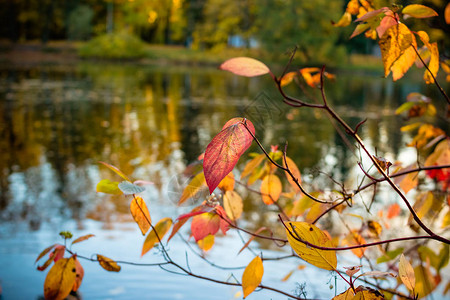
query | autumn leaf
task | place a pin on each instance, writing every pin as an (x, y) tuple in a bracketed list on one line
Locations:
[(347, 295), (375, 228), (406, 273), (425, 281), (227, 184), (433, 65), (360, 28), (140, 214), (108, 264), (44, 252), (404, 61), (192, 188), (108, 187), (419, 11), (60, 279), (225, 149), (287, 78), (324, 259), (155, 236), (176, 227), (390, 19), (353, 7), (79, 271), (233, 204), (270, 189), (204, 225), (393, 211), (47, 262), (129, 188), (115, 170), (83, 238), (206, 243), (252, 276), (245, 66), (353, 239), (447, 13), (368, 295), (344, 21), (294, 170), (393, 44), (252, 164)]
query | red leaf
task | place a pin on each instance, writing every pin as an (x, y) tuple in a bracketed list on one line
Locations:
[(225, 149), (59, 252), (245, 66), (204, 225)]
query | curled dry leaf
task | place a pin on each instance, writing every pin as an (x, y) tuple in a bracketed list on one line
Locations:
[(82, 238), (60, 279), (108, 264)]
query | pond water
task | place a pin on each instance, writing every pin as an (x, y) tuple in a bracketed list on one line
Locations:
[(57, 122)]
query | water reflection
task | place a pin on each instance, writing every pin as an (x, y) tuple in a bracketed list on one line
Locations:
[(56, 123)]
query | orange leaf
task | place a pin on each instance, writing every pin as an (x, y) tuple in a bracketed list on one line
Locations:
[(227, 184), (353, 7), (404, 62), (225, 149), (447, 13), (252, 276), (409, 181), (79, 275), (153, 238), (433, 65), (353, 239), (60, 279), (108, 264), (287, 78), (270, 189), (251, 165), (193, 187), (294, 170), (82, 238), (45, 251), (393, 211), (177, 227), (140, 214), (245, 66)]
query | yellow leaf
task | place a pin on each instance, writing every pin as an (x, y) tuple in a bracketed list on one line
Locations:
[(324, 259), (193, 187), (425, 282), (410, 127), (368, 295), (161, 229), (375, 228), (302, 204), (233, 205), (251, 165), (227, 184), (108, 187), (393, 44), (405, 61), (108, 264), (446, 220), (440, 155), (60, 279), (347, 295), (419, 11), (294, 170), (270, 189), (285, 80), (252, 276), (316, 210), (206, 243), (345, 20), (360, 29), (140, 214), (406, 273)]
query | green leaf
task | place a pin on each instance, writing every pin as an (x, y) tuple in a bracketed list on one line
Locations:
[(108, 187), (390, 255)]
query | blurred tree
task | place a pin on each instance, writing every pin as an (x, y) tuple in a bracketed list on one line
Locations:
[(79, 25), (306, 24)]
